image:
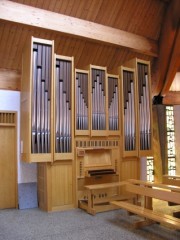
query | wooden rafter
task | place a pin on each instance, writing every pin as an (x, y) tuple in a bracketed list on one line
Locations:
[(174, 64), (172, 98), (168, 61), (31, 16)]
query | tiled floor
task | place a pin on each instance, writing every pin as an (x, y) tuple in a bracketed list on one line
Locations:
[(33, 224)]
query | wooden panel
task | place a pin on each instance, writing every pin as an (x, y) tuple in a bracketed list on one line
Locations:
[(8, 167), (77, 27), (44, 186), (144, 18), (129, 168), (10, 80), (56, 186), (62, 184), (117, 13)]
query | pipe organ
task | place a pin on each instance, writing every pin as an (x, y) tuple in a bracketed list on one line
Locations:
[(82, 126)]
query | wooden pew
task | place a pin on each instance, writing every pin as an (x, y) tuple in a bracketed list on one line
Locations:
[(98, 202), (148, 191), (172, 180)]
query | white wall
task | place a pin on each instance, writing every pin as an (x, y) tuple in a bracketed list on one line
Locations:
[(10, 100)]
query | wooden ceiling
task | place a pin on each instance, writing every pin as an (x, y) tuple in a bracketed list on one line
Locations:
[(99, 32)]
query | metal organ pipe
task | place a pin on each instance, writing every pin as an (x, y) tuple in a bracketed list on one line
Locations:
[(41, 98), (81, 101), (144, 107), (98, 99), (113, 103), (63, 106), (129, 112)]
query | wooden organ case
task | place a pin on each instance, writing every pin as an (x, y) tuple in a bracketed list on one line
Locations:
[(47, 127), (83, 128)]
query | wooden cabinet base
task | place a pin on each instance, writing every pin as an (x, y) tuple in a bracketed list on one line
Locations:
[(55, 186)]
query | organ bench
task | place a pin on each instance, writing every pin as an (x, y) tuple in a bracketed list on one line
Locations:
[(99, 202)]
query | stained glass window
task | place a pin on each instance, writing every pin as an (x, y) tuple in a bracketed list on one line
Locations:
[(171, 155), (150, 169)]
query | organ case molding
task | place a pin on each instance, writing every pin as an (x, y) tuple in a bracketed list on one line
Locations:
[(34, 69)]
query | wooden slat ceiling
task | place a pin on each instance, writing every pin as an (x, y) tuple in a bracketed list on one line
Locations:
[(142, 17)]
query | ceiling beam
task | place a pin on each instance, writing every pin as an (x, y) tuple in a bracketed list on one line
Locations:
[(173, 66), (169, 49), (172, 98), (31, 16)]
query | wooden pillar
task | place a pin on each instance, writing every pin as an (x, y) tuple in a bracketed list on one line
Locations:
[(158, 161)]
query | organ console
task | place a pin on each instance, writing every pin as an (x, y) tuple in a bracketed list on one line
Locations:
[(82, 126)]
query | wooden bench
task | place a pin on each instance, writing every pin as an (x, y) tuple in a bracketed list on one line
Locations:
[(99, 201), (148, 191), (172, 180)]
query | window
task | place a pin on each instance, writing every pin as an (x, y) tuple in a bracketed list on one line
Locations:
[(171, 156), (150, 169)]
